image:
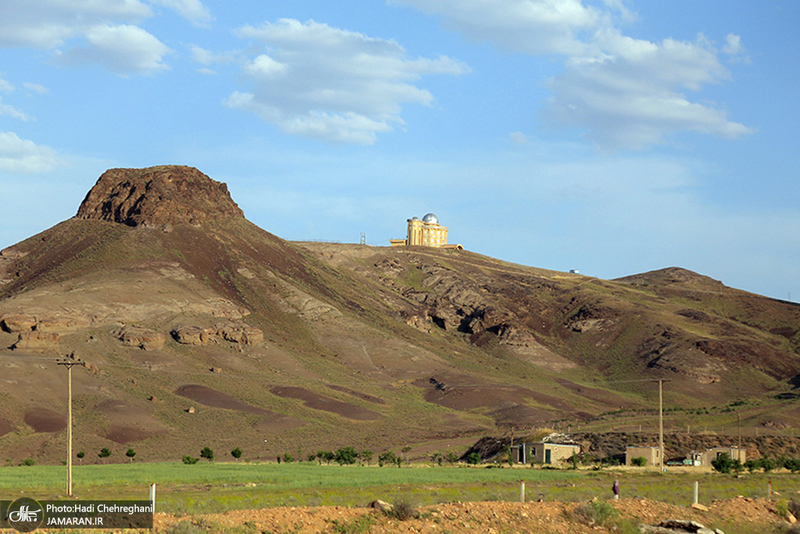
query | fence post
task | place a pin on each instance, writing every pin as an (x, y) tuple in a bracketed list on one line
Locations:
[(521, 491), (153, 496), (696, 491), (769, 490)]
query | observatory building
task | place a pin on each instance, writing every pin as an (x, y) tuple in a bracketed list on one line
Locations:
[(426, 232)]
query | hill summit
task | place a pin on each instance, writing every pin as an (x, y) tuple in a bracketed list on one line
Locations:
[(203, 329), (158, 196)]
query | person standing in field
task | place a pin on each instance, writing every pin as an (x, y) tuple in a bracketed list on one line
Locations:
[(615, 489)]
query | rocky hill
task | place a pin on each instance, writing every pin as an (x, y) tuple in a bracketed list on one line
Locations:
[(202, 329)]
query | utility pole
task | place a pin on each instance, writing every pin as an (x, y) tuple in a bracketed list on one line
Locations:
[(69, 362), (661, 422)]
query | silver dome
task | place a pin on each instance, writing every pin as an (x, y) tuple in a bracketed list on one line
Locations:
[(431, 218)]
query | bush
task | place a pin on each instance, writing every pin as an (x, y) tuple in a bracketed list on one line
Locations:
[(104, 453), (130, 453), (288, 458), (236, 453), (595, 513), (724, 464), (190, 460), (473, 458), (207, 453), (639, 461), (403, 511), (28, 461)]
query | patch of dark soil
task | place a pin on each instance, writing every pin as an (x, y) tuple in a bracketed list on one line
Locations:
[(321, 402), (216, 399), (520, 415), (126, 434), (44, 420), (362, 396), (5, 427), (466, 393)]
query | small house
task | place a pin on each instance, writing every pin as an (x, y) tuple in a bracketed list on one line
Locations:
[(651, 455), (544, 453)]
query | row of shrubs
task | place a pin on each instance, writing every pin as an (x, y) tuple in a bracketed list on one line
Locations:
[(725, 464)]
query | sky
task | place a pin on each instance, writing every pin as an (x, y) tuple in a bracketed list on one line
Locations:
[(609, 136)]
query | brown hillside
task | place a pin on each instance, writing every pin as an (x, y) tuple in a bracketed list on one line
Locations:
[(203, 329)]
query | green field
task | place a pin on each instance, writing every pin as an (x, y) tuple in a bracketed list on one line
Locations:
[(216, 487)]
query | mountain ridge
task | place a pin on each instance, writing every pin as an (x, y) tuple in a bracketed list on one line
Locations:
[(319, 345)]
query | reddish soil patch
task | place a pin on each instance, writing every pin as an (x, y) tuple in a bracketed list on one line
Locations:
[(217, 399), (471, 517), (467, 393), (5, 427), (126, 434), (521, 415), (327, 404), (44, 420), (363, 396)]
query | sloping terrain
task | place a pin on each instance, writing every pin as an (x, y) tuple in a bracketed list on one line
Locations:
[(200, 328)]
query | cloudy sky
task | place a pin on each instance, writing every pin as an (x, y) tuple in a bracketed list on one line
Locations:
[(609, 136)]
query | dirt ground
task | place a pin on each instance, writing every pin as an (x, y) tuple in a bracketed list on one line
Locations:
[(486, 517)]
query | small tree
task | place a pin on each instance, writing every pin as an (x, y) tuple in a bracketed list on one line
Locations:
[(207, 453), (104, 453), (387, 457), (288, 458), (80, 456), (346, 455), (130, 453), (474, 458), (190, 460), (236, 453), (722, 463), (325, 456), (366, 455), (639, 461)]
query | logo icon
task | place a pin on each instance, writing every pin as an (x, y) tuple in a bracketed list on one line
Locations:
[(25, 515)]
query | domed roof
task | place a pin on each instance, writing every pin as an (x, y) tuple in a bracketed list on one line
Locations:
[(431, 218)]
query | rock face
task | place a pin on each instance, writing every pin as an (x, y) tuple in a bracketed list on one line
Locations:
[(234, 332), (158, 197)]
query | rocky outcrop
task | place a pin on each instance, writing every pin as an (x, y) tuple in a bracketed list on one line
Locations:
[(36, 341), (235, 332), (158, 197), (18, 323), (144, 338), (194, 335)]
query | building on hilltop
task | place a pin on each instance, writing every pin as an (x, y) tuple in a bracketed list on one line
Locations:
[(426, 232)]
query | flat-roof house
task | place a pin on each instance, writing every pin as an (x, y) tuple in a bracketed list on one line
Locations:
[(651, 455), (544, 453)]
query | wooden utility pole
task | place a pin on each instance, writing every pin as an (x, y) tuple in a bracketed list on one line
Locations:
[(661, 423), (69, 362)]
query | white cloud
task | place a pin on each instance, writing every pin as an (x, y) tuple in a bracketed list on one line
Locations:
[(35, 88), (323, 82), (518, 138), (633, 96), (192, 10), (25, 157), (122, 49), (98, 31), (530, 26), (11, 111), (625, 92), (6, 87), (49, 23)]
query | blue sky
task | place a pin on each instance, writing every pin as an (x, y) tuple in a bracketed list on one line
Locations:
[(609, 136)]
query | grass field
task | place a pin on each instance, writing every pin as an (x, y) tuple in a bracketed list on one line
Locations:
[(216, 487)]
